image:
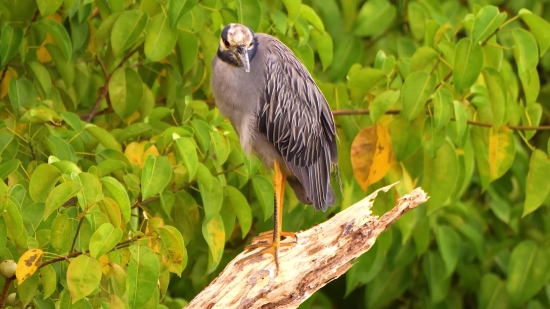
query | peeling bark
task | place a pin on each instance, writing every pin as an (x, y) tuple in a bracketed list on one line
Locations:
[(322, 254)]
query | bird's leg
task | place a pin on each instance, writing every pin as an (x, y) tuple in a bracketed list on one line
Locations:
[(271, 247)]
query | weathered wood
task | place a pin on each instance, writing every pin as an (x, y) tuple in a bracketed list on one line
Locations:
[(322, 254)]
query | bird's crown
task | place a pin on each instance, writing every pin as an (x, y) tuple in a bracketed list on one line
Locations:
[(237, 34)]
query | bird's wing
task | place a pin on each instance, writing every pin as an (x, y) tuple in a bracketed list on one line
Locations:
[(296, 118)]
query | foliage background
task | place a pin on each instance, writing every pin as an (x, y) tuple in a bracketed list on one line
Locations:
[(118, 170)]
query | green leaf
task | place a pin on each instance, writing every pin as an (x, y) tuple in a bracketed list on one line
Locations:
[(188, 46), (440, 176), (502, 150), (155, 175), (62, 233), (540, 28), (43, 180), (172, 249), (382, 103), (105, 238), (417, 20), (324, 46), (525, 49), (492, 292), (387, 287), (214, 234), (10, 39), (9, 167), (91, 190), (59, 195), (374, 18), (361, 81), (49, 280), (119, 195), (249, 13), (417, 89), (59, 35), (103, 137), (160, 38), (443, 108), (424, 58), (406, 137), (187, 150), (60, 148), (220, 147), (531, 116), (527, 272), (177, 8), (293, 8), (486, 22), (496, 87), (14, 224), (307, 13), (240, 207), (125, 91), (536, 188), (126, 30), (461, 124), (21, 93), (142, 276), (434, 270), (48, 7), (42, 76), (265, 193), (432, 139), (64, 66), (83, 276), (448, 243), (212, 198), (468, 62)]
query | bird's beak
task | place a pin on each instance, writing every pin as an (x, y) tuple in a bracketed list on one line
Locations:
[(242, 53)]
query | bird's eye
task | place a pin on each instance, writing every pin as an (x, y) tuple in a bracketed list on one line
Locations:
[(226, 43), (250, 45)]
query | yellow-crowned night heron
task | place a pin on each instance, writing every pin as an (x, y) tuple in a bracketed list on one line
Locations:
[(280, 115)]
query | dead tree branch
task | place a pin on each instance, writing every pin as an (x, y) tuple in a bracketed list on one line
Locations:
[(322, 254)]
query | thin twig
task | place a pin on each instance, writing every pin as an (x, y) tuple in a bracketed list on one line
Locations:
[(77, 231), (5, 291)]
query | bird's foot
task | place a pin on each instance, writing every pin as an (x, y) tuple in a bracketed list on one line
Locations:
[(266, 237), (268, 248)]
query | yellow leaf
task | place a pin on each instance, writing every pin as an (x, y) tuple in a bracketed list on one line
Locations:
[(6, 82), (214, 234), (135, 116), (371, 155), (42, 53), (105, 265), (136, 155), (502, 150), (28, 264)]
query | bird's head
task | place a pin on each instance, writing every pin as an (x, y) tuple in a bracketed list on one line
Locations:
[(237, 45)]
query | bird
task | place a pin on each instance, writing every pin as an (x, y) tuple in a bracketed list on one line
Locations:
[(281, 116)]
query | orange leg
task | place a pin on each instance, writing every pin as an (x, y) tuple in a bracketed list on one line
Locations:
[(272, 245)]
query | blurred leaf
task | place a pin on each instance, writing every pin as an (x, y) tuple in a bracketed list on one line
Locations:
[(361, 81), (536, 188), (496, 87), (468, 62), (126, 30), (142, 276), (486, 22), (265, 193), (8, 167), (434, 270), (177, 8), (493, 292), (160, 38), (21, 93), (59, 195), (539, 27), (531, 117), (406, 137), (249, 13), (324, 46), (212, 198), (42, 182), (28, 263), (443, 108), (83, 276), (417, 19), (119, 195), (382, 103), (48, 7), (10, 39), (311, 17), (220, 146), (125, 91), (104, 239), (172, 249), (186, 149), (449, 247), (103, 137), (214, 234), (155, 176), (432, 139), (502, 150), (240, 207), (59, 35), (387, 287), (371, 155), (293, 8), (417, 89), (440, 176), (525, 50), (527, 272), (374, 18)]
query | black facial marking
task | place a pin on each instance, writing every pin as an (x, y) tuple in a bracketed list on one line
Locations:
[(224, 32), (228, 55)]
